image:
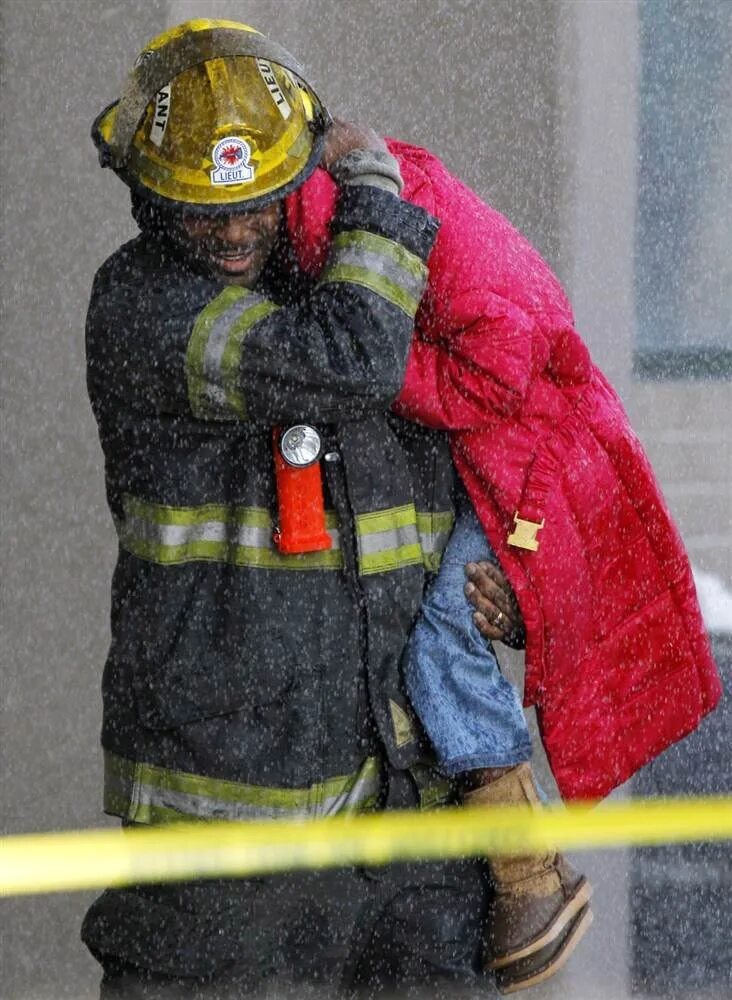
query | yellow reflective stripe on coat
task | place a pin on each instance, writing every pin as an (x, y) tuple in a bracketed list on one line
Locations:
[(388, 539), (241, 536), (146, 793), (214, 352), (383, 266), (434, 529)]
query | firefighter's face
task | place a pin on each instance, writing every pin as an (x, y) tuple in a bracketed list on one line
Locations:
[(234, 247)]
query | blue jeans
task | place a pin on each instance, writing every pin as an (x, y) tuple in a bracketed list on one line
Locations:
[(470, 712)]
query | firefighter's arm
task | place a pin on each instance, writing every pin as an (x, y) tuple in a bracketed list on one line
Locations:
[(339, 353), (161, 339), (164, 339)]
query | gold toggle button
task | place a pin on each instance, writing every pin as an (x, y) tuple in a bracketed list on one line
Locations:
[(524, 532)]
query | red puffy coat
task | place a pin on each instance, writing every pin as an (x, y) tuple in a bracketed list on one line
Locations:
[(617, 659)]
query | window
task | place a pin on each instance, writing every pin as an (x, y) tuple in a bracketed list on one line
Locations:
[(683, 245)]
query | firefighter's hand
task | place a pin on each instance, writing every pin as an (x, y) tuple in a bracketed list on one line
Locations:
[(497, 614), (343, 137)]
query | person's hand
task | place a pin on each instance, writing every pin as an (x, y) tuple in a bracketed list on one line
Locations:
[(343, 137), (497, 615)]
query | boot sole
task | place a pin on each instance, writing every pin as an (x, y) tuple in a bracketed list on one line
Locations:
[(571, 908), (532, 976)]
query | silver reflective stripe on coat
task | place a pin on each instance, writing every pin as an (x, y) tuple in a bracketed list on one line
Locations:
[(147, 793), (241, 536), (213, 357), (384, 266), (401, 536), (387, 539), (434, 529)]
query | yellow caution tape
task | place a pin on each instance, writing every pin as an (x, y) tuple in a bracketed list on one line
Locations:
[(74, 860)]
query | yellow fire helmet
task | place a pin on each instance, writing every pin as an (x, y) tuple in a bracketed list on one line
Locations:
[(214, 117)]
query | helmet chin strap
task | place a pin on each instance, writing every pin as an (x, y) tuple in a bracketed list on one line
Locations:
[(157, 67)]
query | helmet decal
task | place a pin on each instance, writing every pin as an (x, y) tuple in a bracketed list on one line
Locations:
[(270, 82), (231, 157), (159, 121)]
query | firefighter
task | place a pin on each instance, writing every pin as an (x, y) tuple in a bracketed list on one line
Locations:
[(252, 674), (245, 349)]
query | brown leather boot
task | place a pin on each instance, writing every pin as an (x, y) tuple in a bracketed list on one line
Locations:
[(540, 909)]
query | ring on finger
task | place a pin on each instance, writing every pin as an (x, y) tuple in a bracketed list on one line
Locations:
[(499, 619)]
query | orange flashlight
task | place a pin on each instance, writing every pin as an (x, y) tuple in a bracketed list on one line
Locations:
[(299, 491)]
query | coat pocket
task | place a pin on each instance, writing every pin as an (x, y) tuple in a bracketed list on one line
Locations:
[(187, 687), (203, 642)]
